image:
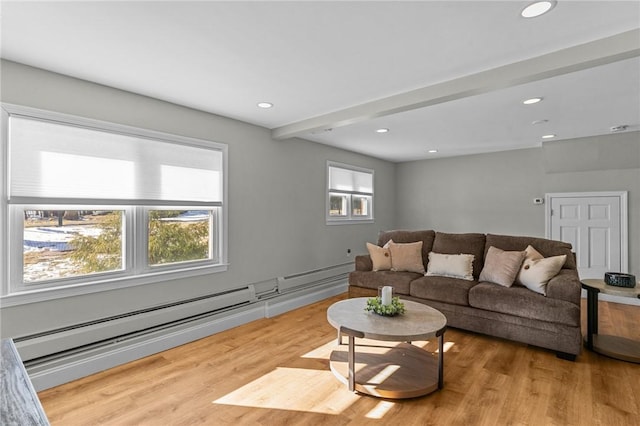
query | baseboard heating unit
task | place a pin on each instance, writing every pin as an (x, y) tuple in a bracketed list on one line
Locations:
[(314, 278), (58, 356), (61, 355)]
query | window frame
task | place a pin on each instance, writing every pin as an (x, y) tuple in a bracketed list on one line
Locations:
[(136, 271), (349, 218)]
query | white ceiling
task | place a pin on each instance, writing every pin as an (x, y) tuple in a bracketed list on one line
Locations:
[(445, 75)]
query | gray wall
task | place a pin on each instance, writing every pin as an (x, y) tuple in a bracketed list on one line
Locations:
[(493, 193), (276, 198), (277, 194)]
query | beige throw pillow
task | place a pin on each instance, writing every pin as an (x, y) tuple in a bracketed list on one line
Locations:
[(451, 265), (501, 267), (537, 271), (406, 257), (380, 257)]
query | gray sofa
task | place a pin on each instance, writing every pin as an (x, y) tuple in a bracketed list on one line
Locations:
[(515, 313)]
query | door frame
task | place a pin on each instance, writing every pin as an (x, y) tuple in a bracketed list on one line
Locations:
[(624, 218)]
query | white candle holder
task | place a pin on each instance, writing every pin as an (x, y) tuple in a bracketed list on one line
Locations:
[(385, 293)]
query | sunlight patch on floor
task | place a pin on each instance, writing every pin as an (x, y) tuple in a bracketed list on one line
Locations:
[(296, 389), (380, 410), (446, 346)]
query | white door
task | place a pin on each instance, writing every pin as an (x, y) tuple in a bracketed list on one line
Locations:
[(595, 225)]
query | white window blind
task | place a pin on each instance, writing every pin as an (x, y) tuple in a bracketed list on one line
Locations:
[(350, 181), (52, 160)]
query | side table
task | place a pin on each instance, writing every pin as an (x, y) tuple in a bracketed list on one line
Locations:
[(611, 346)]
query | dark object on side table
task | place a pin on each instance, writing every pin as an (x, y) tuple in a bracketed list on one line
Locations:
[(620, 280)]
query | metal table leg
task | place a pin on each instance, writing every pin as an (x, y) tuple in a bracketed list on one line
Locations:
[(592, 315), (441, 361), (351, 355), (352, 363)]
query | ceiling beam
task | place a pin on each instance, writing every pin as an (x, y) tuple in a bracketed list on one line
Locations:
[(600, 52)]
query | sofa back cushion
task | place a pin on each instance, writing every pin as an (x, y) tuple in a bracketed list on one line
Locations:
[(547, 248), (426, 237), (462, 244)]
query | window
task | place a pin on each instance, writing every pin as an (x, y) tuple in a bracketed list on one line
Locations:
[(89, 203), (349, 194)]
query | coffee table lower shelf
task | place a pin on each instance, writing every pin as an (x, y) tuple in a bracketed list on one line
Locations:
[(398, 372)]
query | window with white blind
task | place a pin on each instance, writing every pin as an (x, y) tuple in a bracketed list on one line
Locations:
[(349, 194), (88, 202)]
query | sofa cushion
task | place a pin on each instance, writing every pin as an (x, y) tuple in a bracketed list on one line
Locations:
[(406, 257), (536, 271), (522, 302), (380, 257), (546, 247), (451, 265), (442, 289), (462, 244), (370, 279), (501, 267), (410, 237)]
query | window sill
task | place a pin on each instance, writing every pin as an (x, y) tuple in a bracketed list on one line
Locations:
[(349, 221), (27, 296)]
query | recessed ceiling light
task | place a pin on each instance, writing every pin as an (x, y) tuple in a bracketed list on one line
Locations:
[(383, 130), (531, 101), (539, 122), (432, 151), (548, 136), (265, 105), (537, 8)]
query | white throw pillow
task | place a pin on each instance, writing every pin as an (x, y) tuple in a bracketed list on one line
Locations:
[(537, 271), (451, 265)]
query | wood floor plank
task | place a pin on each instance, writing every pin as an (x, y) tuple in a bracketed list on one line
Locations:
[(276, 372)]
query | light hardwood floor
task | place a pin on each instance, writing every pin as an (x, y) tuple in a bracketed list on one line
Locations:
[(276, 372)]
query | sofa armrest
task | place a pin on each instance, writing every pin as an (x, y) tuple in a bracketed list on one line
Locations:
[(364, 263), (565, 286)]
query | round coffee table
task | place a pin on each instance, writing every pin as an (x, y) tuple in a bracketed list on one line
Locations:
[(611, 346), (400, 371)]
